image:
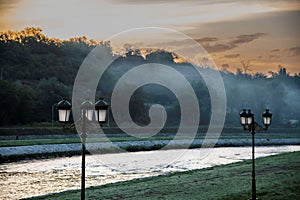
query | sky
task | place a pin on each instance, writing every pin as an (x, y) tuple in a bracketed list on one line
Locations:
[(263, 34)]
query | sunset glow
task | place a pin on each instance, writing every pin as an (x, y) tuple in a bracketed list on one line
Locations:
[(265, 33)]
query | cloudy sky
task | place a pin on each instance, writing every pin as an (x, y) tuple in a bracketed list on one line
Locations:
[(265, 33)]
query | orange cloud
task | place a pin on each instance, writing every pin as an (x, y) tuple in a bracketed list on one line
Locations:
[(273, 56), (206, 39), (232, 55), (232, 43), (295, 51), (275, 50)]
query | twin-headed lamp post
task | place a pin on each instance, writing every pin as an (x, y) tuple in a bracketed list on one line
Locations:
[(247, 121), (89, 112)]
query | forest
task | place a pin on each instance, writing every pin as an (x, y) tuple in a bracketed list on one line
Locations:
[(37, 71)]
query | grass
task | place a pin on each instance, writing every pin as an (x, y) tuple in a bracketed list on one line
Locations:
[(47, 129), (278, 177), (68, 140), (27, 142), (122, 138), (8, 143)]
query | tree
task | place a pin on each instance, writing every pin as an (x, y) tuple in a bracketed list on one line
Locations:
[(16, 102), (246, 66), (50, 91)]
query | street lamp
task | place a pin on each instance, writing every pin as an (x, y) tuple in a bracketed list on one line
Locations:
[(243, 116), (88, 109), (247, 121), (64, 109), (100, 111), (267, 118)]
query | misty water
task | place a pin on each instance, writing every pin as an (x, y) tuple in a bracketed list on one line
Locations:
[(38, 177)]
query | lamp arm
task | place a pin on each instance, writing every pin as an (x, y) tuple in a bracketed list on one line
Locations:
[(259, 128), (71, 127)]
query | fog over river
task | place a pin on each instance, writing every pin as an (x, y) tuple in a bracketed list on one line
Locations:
[(38, 177)]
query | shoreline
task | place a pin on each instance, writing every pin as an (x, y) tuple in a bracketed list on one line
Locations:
[(18, 153), (38, 177), (205, 183)]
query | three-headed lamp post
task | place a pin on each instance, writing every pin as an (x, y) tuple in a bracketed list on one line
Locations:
[(89, 112), (248, 123)]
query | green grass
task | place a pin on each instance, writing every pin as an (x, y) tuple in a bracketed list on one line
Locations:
[(27, 142), (278, 177), (8, 143), (47, 129)]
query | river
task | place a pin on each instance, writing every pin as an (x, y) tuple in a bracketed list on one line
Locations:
[(37, 177)]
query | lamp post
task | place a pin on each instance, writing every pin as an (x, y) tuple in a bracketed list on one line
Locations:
[(88, 109), (247, 121), (87, 114)]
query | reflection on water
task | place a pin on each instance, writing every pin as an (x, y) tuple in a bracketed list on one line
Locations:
[(37, 177)]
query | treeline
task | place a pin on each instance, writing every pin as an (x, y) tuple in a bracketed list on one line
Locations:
[(36, 71), (30, 55), (279, 92)]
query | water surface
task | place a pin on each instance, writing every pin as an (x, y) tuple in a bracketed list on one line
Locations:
[(38, 177)]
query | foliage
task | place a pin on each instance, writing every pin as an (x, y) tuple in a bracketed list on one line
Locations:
[(49, 91), (36, 71), (16, 103)]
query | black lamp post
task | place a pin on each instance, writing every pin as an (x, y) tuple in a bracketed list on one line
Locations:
[(247, 121), (87, 113)]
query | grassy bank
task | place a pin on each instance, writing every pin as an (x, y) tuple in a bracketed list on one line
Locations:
[(278, 177), (69, 140), (48, 130)]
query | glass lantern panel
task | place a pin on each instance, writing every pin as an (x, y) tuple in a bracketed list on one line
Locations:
[(102, 115), (89, 115), (243, 120), (96, 115), (249, 120), (63, 115), (267, 120)]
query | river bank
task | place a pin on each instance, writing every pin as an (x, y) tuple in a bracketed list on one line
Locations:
[(17, 153), (277, 178), (38, 177)]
